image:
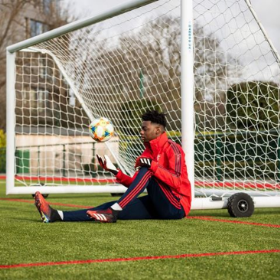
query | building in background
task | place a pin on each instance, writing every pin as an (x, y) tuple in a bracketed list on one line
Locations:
[(38, 79), (20, 20)]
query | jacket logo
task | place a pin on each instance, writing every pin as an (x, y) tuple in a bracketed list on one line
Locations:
[(158, 157)]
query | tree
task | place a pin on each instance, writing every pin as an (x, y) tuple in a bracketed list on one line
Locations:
[(132, 112), (2, 151), (13, 27), (9, 11), (253, 105), (154, 50)]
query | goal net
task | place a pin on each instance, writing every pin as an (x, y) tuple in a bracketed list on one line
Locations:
[(124, 64)]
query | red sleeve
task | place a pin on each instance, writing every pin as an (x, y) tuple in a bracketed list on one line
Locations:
[(125, 179), (172, 173)]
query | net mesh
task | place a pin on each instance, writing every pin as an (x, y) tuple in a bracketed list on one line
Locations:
[(123, 66)]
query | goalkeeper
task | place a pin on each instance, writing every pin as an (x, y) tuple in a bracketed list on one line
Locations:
[(161, 169)]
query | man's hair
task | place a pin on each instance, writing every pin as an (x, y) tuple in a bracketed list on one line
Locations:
[(155, 117)]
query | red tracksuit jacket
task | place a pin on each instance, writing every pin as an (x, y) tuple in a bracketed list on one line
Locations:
[(169, 168)]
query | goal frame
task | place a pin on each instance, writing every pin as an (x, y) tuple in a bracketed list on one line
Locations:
[(187, 97), (10, 93)]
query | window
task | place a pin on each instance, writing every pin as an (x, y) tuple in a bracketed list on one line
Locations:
[(43, 68), (37, 27), (30, 96), (25, 96), (42, 99), (47, 6), (72, 100), (57, 6)]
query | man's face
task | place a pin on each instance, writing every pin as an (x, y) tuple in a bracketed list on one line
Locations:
[(149, 131)]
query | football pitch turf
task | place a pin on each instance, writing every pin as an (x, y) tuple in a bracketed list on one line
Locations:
[(207, 245)]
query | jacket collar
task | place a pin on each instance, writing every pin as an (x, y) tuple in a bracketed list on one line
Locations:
[(156, 144)]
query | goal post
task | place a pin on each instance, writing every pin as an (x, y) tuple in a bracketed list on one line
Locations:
[(11, 122), (208, 65)]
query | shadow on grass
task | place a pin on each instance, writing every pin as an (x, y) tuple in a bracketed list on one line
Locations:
[(224, 213)]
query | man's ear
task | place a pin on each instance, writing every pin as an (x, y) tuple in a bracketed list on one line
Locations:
[(158, 130)]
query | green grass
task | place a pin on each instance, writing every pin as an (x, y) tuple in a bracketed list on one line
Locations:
[(24, 239)]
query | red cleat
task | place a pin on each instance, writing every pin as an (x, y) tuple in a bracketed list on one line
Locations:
[(46, 212), (103, 216)]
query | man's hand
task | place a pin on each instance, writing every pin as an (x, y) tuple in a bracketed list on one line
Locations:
[(143, 162), (106, 164)]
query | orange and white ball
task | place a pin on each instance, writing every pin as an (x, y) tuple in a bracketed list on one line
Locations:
[(101, 129)]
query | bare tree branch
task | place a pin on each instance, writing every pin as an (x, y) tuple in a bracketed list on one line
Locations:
[(13, 17)]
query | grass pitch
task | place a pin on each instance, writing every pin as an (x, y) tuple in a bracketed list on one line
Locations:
[(27, 241)]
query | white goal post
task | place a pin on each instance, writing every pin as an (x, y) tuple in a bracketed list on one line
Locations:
[(208, 65)]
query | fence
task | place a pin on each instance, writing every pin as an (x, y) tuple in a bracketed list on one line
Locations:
[(229, 155), (65, 160), (2, 160), (238, 155)]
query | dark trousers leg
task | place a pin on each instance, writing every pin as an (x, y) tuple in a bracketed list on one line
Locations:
[(139, 184), (155, 205), (136, 208), (81, 215), (139, 209), (166, 204)]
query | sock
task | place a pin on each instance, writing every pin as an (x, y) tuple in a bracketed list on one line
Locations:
[(60, 213), (116, 207), (55, 216)]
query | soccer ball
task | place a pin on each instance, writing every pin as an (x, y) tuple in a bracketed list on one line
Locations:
[(101, 129)]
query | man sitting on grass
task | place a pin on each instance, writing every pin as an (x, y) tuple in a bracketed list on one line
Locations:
[(161, 169)]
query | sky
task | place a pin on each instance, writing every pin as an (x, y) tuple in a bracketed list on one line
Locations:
[(267, 11)]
